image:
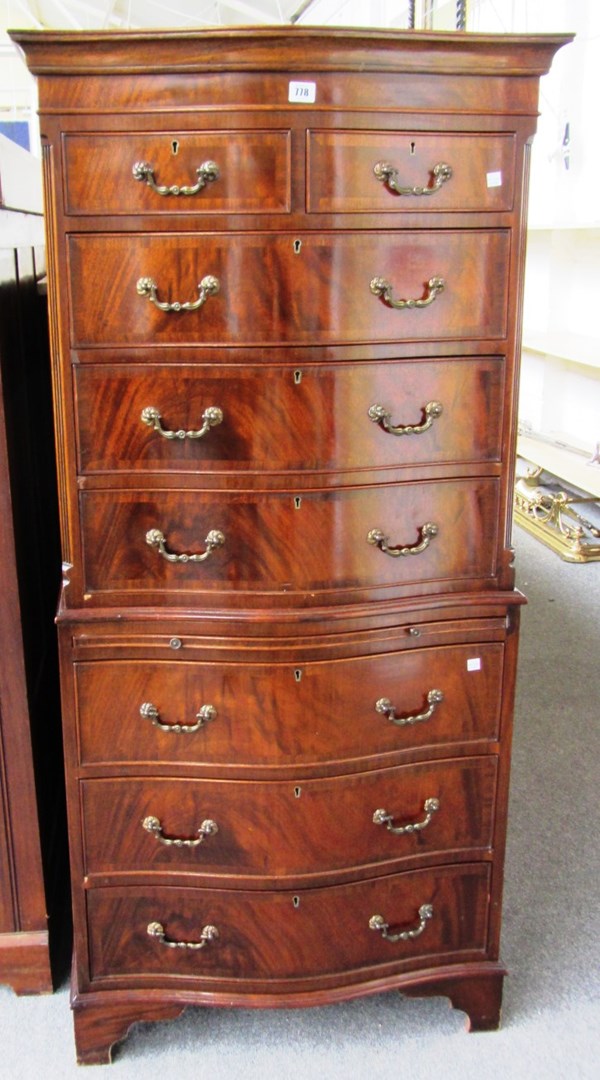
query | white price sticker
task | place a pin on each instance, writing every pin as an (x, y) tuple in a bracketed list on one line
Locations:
[(303, 93), (494, 179), (474, 663)]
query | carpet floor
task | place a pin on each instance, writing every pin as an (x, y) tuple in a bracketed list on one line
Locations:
[(551, 928)]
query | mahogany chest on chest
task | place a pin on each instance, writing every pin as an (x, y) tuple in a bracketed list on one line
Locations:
[(286, 278)]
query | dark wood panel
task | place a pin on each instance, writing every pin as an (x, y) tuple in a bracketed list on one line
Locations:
[(270, 416), (253, 172), (265, 938), (31, 824), (277, 830), (341, 176), (299, 716), (278, 543), (308, 289)]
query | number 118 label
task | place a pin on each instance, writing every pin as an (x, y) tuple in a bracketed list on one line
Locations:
[(303, 93)]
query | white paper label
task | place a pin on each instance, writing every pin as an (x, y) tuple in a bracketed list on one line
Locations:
[(474, 663), (494, 179), (303, 93)]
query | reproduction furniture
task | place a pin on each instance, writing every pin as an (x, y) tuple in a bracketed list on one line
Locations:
[(286, 274)]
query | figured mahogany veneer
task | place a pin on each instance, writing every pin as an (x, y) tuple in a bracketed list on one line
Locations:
[(337, 405), (280, 544), (318, 829), (277, 717), (267, 943), (253, 171), (271, 292), (269, 415), (341, 165)]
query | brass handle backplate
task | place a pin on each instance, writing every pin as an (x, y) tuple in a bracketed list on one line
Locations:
[(389, 176), (385, 708), (380, 415), (157, 930), (380, 540), (155, 538), (206, 173), (209, 286), (148, 711), (212, 417), (382, 287), (377, 922), (152, 825), (381, 817)]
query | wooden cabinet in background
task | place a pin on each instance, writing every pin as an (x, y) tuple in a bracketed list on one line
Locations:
[(286, 283), (30, 820)]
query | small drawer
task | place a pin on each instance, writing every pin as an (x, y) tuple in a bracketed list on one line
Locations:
[(277, 829), (169, 544), (282, 419), (206, 172), (242, 718), (277, 289), (382, 171), (277, 939)]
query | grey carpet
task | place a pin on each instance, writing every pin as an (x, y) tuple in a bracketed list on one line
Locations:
[(551, 936)]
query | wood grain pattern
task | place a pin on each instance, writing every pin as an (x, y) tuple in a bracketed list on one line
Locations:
[(273, 546), (271, 294), (254, 172), (269, 416), (341, 177), (281, 715), (266, 942), (269, 832)]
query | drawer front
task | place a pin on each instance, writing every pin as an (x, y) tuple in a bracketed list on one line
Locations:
[(279, 418), (268, 716), (280, 829), (266, 936), (320, 542), (252, 174), (345, 174), (283, 289)]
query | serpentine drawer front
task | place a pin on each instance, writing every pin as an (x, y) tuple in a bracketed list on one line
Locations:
[(346, 540), (286, 275), (264, 938), (277, 830), (216, 419), (241, 717), (266, 288)]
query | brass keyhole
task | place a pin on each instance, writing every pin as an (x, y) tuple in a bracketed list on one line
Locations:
[(175, 146), (297, 502), (297, 378), (297, 246), (296, 901), (297, 792), (297, 674)]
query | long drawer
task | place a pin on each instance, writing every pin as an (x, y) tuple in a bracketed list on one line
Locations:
[(243, 717), (358, 171), (277, 418), (324, 543), (239, 829), (269, 289), (279, 940), (227, 172)]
